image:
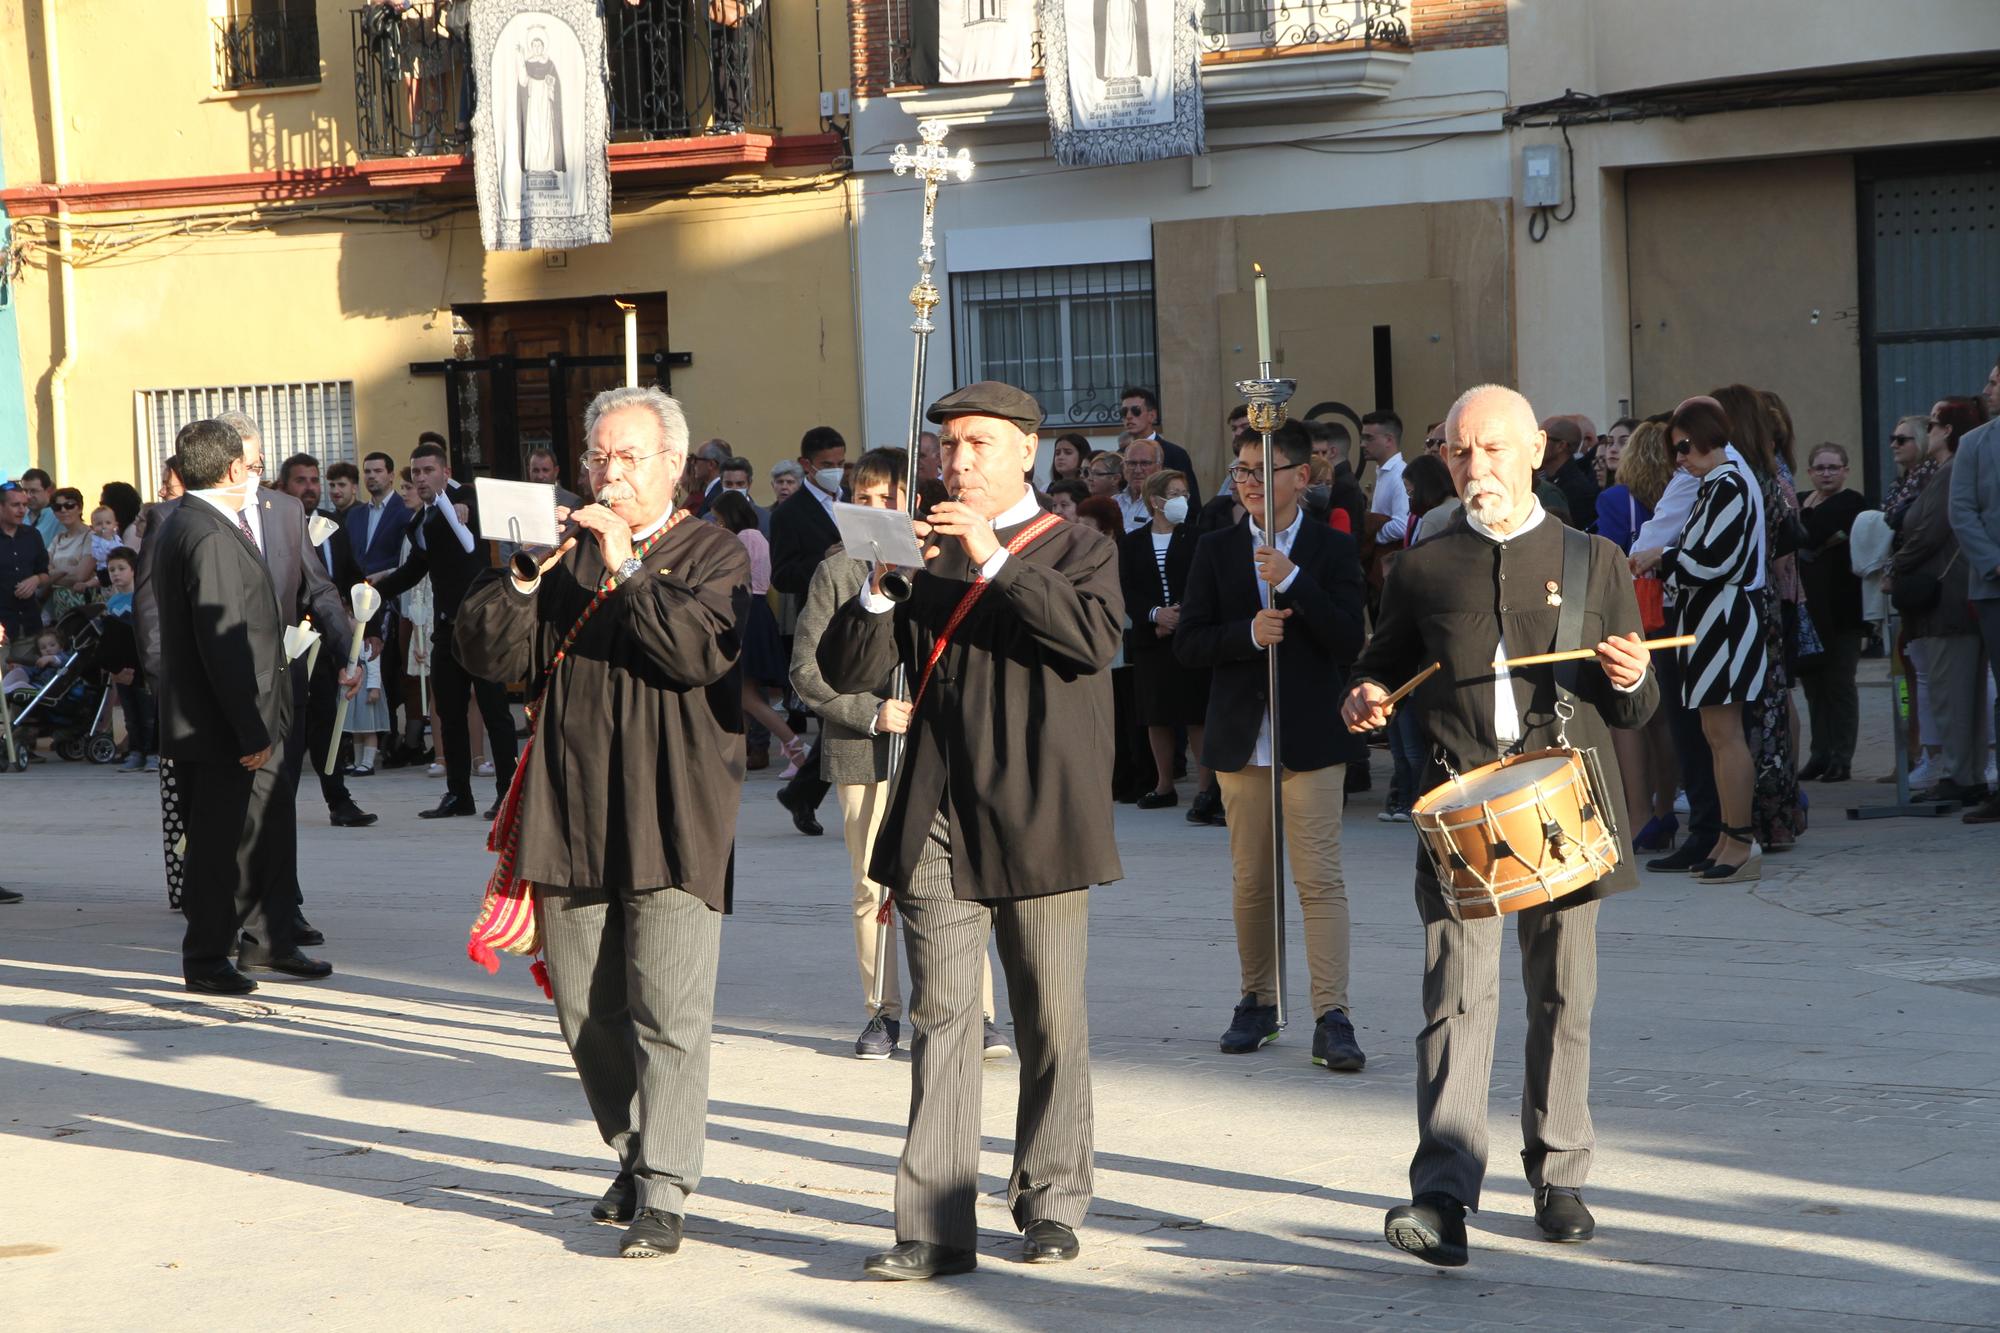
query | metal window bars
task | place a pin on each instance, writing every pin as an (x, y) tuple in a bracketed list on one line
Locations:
[(267, 48)]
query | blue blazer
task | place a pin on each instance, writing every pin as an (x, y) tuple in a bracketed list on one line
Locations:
[(386, 551)]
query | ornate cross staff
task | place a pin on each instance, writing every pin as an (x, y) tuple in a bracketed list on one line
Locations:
[(932, 165)]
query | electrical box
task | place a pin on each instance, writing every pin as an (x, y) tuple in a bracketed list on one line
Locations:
[(1542, 175), (825, 106), (840, 99)]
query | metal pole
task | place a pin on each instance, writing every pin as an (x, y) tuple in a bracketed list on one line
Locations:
[(1267, 396), (931, 165)]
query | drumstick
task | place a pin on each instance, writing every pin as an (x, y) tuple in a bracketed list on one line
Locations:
[(1543, 659), (1389, 704)]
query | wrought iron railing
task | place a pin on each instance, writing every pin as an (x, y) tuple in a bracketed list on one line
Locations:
[(1226, 25), (267, 50), (678, 69)]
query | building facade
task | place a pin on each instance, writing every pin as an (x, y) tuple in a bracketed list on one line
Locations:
[(269, 203)]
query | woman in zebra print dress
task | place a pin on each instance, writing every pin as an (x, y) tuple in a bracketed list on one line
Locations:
[(1711, 568)]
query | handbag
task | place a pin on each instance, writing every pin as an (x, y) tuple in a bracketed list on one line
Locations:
[(1914, 594), (1652, 595)]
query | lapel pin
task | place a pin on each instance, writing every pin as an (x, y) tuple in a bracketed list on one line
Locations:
[(1555, 597)]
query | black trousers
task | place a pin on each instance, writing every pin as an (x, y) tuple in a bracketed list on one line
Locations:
[(456, 688), (242, 833), (1697, 765), (1832, 702), (807, 785), (314, 702)]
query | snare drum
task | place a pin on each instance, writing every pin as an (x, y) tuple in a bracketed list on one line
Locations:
[(1519, 832)]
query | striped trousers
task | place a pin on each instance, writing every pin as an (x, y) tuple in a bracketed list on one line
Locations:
[(1042, 945), (633, 972), (1455, 1049)]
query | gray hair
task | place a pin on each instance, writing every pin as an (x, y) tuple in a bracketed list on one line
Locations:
[(787, 468), (716, 451), (666, 412), (1517, 405), (245, 426)]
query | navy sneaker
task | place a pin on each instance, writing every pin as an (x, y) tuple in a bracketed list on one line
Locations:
[(1334, 1046), (1254, 1026), (878, 1040), (995, 1045)]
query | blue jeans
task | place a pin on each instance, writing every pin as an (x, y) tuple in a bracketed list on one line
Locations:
[(1406, 750)]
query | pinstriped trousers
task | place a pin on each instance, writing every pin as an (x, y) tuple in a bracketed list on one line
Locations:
[(1042, 944), (1455, 1049), (634, 976)]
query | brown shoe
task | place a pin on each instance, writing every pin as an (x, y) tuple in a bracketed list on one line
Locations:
[(757, 757), (1986, 813)]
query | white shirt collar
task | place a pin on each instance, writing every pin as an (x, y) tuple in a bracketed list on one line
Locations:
[(640, 534), (1290, 532), (216, 498), (1019, 512), (1535, 515)]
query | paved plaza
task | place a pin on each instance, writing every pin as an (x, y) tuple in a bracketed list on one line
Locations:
[(1796, 1087)]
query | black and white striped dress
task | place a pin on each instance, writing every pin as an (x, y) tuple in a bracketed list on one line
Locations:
[(1711, 568)]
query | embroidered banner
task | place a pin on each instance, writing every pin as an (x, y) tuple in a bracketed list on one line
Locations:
[(982, 40), (1123, 79), (539, 134)]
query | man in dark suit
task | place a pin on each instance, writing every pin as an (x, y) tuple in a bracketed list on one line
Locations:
[(330, 565), (996, 823), (375, 527), (1139, 410), (1297, 592), (446, 549), (802, 532), (1504, 580), (225, 709), (705, 469)]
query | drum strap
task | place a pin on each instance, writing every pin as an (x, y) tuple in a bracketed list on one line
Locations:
[(1569, 615)]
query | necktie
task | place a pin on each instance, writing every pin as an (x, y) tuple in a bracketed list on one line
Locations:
[(243, 522)]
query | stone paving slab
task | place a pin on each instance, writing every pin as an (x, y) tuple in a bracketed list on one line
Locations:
[(1796, 1104)]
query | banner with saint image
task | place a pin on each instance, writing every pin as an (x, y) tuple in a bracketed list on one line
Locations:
[(541, 128), (983, 40), (1123, 80)]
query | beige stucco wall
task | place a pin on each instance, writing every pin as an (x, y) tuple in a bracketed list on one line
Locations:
[(1574, 309), (1437, 274)]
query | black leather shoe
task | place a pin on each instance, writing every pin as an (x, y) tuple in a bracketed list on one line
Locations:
[(493, 812), (1838, 772), (620, 1203), (917, 1260), (1432, 1227), (654, 1234), (1685, 857), (350, 816), (9, 896), (1560, 1213), (450, 807), (307, 936), (293, 964), (1047, 1242), (1814, 770), (803, 818), (225, 981), (1158, 800)]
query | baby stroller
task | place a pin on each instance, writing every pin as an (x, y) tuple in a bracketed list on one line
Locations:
[(73, 707)]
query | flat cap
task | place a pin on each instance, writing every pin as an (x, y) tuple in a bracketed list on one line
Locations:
[(990, 398)]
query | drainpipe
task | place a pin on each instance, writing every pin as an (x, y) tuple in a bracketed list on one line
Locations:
[(65, 269)]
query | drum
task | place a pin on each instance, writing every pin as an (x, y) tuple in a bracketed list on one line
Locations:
[(1519, 832)]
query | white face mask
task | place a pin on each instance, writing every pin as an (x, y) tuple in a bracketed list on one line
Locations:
[(1175, 510), (828, 479)]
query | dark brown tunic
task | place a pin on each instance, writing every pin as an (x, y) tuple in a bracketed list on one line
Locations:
[(1013, 737), (637, 768), (1448, 600)]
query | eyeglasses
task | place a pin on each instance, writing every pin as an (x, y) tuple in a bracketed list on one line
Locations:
[(1104, 472), (1935, 424), (597, 461), (1684, 448), (1241, 474), (1433, 442), (65, 504), (1829, 467), (1133, 410), (1902, 439)]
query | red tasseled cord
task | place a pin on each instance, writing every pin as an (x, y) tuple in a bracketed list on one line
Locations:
[(482, 955), (540, 972)]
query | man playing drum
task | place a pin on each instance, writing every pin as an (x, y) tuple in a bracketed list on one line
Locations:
[(1491, 585)]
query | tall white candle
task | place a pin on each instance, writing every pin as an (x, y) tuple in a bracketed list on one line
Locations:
[(631, 343), (1263, 317)]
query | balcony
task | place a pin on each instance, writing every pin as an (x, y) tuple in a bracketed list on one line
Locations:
[(680, 69), (267, 48), (1255, 53)]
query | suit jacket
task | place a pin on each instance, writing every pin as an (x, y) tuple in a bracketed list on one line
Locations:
[(802, 532), (1177, 458), (1450, 599), (1322, 639), (435, 551), (1929, 547), (1975, 509), (1139, 580), (1013, 738), (298, 579), (848, 752), (225, 692), (387, 547)]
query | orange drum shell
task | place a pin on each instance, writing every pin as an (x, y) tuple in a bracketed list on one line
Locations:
[(1492, 883)]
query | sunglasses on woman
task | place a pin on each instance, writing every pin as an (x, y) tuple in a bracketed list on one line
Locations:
[(65, 504), (1902, 439)]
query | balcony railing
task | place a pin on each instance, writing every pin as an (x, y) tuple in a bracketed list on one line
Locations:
[(678, 69), (267, 50), (1275, 26)]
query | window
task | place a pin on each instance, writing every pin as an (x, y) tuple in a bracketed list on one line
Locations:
[(314, 417), (1072, 335), (266, 44)]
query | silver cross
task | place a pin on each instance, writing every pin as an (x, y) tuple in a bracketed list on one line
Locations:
[(932, 165)]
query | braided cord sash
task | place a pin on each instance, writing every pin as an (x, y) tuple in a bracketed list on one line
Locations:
[(1022, 540), (506, 919)]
